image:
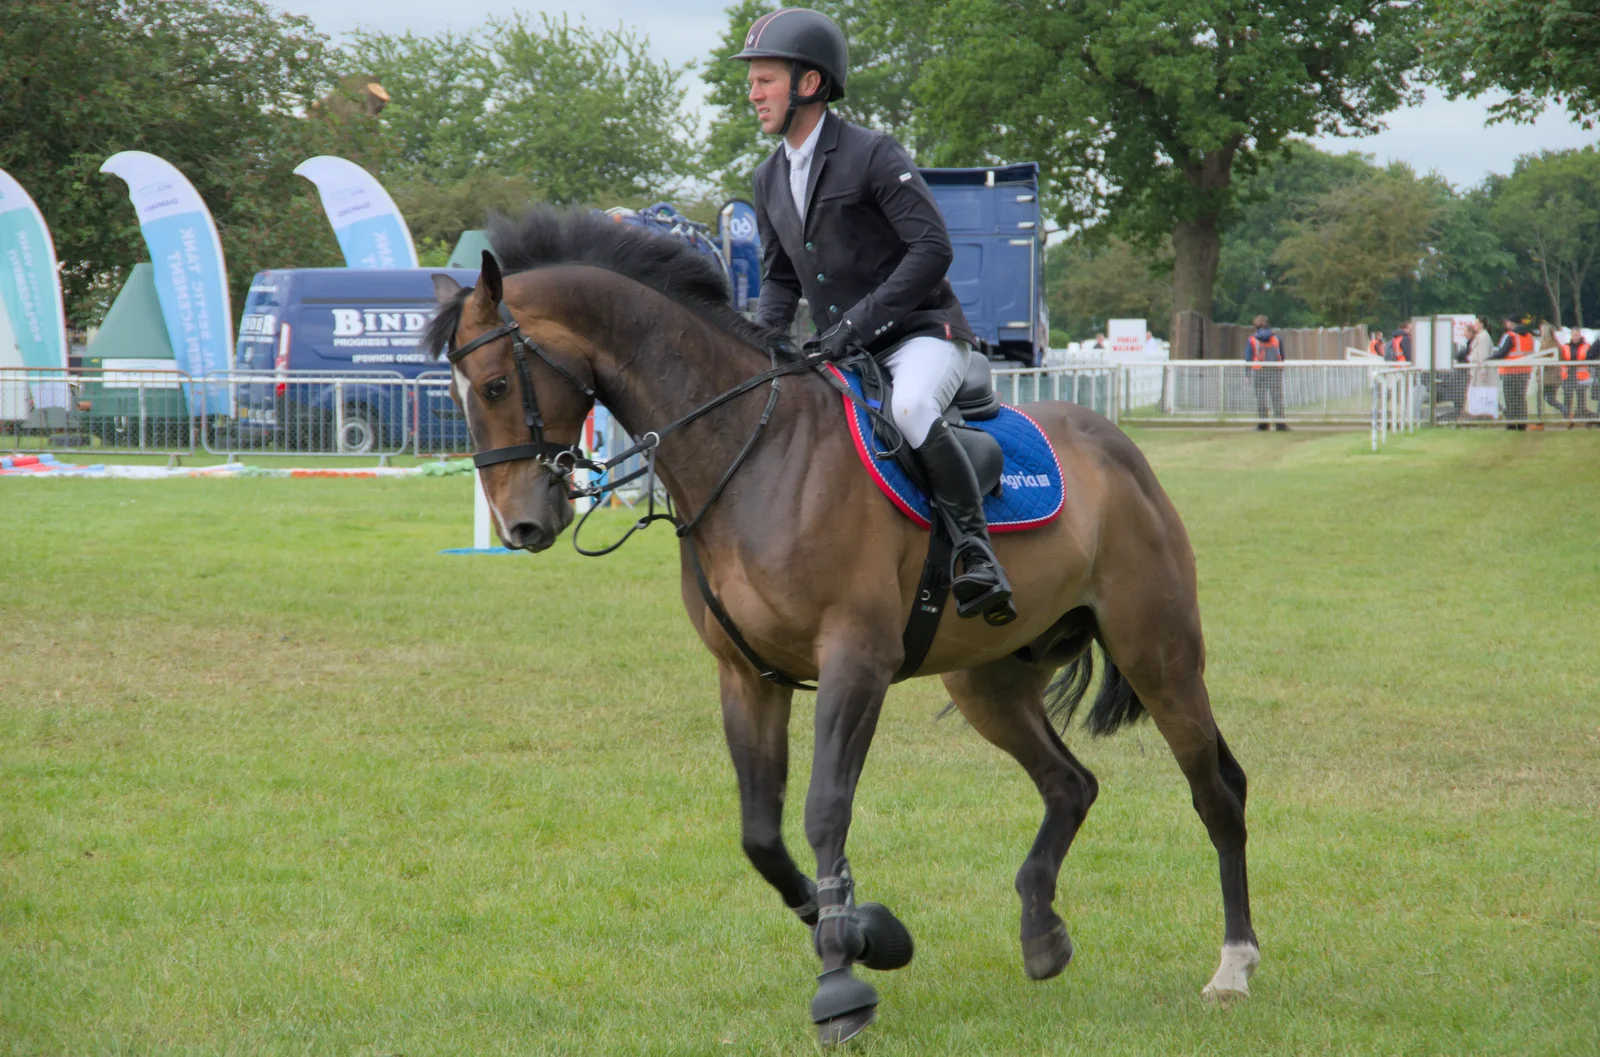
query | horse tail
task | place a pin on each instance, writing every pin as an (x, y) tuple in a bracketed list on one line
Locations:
[(1115, 706)]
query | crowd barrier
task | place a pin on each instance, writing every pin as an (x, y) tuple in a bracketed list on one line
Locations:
[(140, 409), (116, 410), (1396, 401), (1217, 391)]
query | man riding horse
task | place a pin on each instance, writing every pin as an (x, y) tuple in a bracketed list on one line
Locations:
[(846, 220)]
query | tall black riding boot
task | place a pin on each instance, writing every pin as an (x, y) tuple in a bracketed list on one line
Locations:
[(982, 588)]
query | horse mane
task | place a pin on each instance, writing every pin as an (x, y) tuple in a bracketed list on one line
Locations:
[(545, 237)]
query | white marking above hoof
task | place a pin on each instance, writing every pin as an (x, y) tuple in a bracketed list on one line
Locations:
[(1232, 980)]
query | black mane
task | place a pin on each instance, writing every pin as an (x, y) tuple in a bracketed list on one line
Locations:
[(544, 237)]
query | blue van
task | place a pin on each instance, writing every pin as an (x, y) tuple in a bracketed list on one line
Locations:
[(322, 321)]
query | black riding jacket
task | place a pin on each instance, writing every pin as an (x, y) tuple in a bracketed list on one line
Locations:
[(872, 251)]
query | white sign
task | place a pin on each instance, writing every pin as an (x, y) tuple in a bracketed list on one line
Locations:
[(1127, 338)]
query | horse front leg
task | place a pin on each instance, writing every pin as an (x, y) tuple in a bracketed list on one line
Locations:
[(755, 719), (849, 697)]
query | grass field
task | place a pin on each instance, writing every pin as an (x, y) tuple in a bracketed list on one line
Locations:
[(276, 778)]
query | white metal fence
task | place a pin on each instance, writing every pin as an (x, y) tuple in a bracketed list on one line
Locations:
[(1093, 387), (145, 411), (309, 413), (1219, 391), (1396, 401), (114, 410)]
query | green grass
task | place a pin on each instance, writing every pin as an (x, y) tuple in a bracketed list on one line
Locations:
[(277, 778)]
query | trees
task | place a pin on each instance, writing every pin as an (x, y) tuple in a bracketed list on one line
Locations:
[(579, 114), (1250, 280), (1088, 282), (1141, 112), (218, 89), (1356, 240), (1536, 50), (1549, 211)]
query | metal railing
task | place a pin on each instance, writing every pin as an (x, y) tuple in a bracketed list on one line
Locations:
[(437, 425), (1537, 393), (309, 413), (112, 410), (1097, 387), (1223, 391), (1396, 401)]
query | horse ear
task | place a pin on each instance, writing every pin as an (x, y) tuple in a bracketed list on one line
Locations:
[(489, 279), (444, 288)]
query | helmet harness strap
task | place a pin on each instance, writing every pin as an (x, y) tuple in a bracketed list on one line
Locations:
[(798, 70)]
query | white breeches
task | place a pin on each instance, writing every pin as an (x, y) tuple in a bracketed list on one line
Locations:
[(926, 372)]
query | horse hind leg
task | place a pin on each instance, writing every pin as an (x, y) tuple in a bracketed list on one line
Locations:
[(1156, 667), (1004, 701)]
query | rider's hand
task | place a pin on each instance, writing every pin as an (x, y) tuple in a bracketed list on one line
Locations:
[(837, 343)]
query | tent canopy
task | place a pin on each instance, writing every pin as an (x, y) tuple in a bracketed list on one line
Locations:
[(469, 250), (134, 328)]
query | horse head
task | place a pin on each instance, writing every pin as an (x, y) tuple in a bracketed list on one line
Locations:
[(525, 389)]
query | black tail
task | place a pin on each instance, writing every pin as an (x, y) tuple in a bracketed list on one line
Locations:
[(1115, 706)]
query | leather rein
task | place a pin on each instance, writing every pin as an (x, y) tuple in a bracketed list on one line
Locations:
[(562, 460)]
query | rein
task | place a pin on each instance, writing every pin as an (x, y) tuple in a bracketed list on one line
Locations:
[(561, 460)]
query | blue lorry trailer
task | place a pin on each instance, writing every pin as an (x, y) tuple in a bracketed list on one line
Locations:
[(996, 229)]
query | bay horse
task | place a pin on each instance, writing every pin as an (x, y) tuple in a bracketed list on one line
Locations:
[(816, 571)]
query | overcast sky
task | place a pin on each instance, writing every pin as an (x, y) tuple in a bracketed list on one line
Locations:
[(1451, 138)]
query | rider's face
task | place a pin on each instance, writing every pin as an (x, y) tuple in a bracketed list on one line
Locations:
[(769, 92)]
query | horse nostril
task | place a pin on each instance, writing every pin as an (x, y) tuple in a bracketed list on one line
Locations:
[(528, 535)]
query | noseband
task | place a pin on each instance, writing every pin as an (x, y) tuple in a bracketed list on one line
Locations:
[(559, 459)]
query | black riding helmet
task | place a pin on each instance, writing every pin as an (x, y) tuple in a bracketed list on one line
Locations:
[(809, 40)]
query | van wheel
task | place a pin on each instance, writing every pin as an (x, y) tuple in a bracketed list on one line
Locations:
[(360, 432)]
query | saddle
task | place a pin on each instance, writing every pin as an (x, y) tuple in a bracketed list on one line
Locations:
[(975, 401)]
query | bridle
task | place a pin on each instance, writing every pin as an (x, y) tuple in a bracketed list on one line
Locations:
[(559, 459)]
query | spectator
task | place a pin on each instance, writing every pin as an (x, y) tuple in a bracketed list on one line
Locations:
[(1152, 347), (1515, 343), (1264, 353), (1099, 341), (1480, 347), (1375, 346), (1398, 351), (1549, 381), (1576, 380)]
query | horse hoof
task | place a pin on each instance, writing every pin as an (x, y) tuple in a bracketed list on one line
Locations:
[(888, 942), (843, 1029), (1232, 980), (1045, 956), (842, 1007)]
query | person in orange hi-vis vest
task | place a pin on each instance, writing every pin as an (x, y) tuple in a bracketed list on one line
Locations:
[(1399, 349), (1376, 346), (1576, 380), (1516, 343), (1264, 353)]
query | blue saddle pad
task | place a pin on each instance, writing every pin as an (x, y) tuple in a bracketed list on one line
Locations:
[(1031, 492)]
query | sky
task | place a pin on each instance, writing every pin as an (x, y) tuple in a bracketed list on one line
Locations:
[(1452, 138)]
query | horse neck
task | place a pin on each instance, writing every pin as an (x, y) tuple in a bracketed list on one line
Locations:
[(656, 361)]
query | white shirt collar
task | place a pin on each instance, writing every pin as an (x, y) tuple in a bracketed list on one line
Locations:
[(800, 157)]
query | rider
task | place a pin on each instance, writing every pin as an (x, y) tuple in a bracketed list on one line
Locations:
[(847, 221)]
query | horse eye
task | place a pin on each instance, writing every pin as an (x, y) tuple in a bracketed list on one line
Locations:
[(496, 389)]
